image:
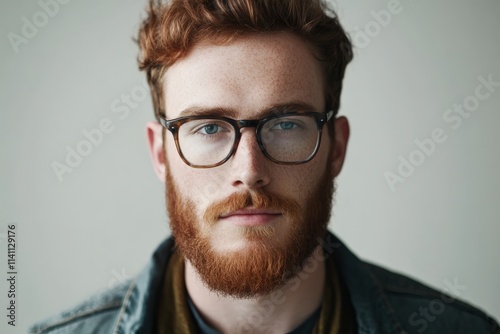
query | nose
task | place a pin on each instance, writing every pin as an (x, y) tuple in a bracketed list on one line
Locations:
[(249, 166)]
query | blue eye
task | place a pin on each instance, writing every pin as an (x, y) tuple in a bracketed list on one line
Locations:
[(210, 129), (287, 125)]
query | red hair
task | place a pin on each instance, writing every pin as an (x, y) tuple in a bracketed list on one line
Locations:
[(171, 29)]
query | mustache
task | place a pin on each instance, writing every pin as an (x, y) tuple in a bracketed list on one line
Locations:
[(258, 199)]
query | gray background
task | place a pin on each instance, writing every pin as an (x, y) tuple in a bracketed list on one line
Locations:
[(99, 225)]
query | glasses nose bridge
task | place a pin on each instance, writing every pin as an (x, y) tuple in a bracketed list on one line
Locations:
[(247, 123)]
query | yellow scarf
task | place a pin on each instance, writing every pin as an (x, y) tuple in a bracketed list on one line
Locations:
[(174, 316)]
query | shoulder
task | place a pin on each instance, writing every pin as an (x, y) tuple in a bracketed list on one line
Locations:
[(420, 308), (97, 314), (129, 306)]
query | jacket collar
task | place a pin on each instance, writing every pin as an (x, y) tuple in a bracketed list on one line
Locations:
[(374, 314), (140, 304)]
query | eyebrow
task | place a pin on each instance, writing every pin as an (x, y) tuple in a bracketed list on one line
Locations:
[(276, 109), (287, 108), (200, 111)]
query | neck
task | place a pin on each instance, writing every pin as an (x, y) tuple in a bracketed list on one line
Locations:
[(279, 312)]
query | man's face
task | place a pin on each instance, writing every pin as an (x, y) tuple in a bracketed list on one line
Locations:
[(248, 224)]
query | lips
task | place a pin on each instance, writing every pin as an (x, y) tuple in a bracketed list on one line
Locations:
[(250, 211), (250, 216)]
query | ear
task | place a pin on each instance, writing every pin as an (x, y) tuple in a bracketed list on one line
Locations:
[(339, 146), (155, 145)]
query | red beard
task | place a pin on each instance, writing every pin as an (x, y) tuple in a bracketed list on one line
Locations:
[(270, 260)]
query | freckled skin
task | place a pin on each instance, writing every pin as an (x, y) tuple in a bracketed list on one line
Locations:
[(249, 74)]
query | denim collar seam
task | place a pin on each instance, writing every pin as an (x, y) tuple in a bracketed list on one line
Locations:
[(125, 303), (66, 321)]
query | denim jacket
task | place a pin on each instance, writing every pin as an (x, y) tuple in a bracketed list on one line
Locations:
[(384, 302)]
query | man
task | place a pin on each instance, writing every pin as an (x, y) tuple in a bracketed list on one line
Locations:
[(248, 142)]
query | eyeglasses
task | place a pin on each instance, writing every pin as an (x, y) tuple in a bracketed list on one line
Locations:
[(209, 141)]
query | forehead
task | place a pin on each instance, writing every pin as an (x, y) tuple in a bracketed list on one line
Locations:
[(248, 75)]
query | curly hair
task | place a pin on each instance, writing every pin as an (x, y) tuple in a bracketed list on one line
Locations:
[(172, 28)]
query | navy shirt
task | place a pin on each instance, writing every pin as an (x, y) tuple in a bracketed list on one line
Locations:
[(304, 328)]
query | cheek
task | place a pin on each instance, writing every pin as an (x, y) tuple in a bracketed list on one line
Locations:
[(178, 170), (204, 188), (295, 182), (198, 186), (301, 181)]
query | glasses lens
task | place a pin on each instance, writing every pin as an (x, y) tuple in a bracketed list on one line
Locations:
[(206, 142), (290, 138)]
